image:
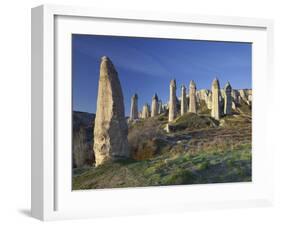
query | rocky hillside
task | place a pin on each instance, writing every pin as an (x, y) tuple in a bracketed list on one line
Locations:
[(82, 119), (197, 149), (82, 153)]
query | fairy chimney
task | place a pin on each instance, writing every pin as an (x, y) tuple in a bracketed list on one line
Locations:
[(111, 130), (192, 97), (134, 107), (172, 101), (183, 100), (145, 111), (227, 99), (215, 99)]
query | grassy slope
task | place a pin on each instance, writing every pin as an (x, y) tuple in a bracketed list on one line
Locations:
[(182, 168), (203, 153)]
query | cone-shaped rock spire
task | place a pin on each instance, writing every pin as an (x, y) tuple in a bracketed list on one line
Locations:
[(154, 106), (110, 132), (134, 107), (228, 99), (215, 99), (192, 97), (183, 100), (173, 101)]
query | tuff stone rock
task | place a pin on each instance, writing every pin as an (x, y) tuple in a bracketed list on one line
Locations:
[(250, 98), (165, 107), (215, 99), (111, 130), (233, 105), (145, 111), (235, 95), (134, 107), (221, 101), (202, 95), (209, 101), (227, 99), (243, 95), (160, 107), (192, 97), (154, 106), (183, 100), (172, 101)]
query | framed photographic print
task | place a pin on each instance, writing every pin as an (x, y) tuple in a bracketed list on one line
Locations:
[(137, 112)]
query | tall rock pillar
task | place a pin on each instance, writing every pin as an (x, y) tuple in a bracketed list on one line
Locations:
[(192, 97), (183, 100), (215, 99), (134, 107), (154, 106), (160, 107), (227, 99), (172, 101), (111, 130)]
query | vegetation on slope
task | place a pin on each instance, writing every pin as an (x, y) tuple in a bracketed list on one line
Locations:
[(199, 150), (194, 121), (211, 166)]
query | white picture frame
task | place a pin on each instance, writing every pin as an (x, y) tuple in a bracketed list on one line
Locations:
[(52, 197)]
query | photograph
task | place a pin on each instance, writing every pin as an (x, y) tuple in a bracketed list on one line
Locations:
[(152, 111)]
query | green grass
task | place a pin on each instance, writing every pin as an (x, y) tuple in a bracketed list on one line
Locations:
[(199, 150), (171, 169)]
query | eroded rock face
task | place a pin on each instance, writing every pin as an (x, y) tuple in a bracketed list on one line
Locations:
[(235, 95), (243, 94), (192, 97), (165, 107), (82, 139), (202, 95), (134, 107), (250, 98), (216, 99), (111, 130), (82, 154), (145, 111), (209, 101), (233, 105), (172, 101)]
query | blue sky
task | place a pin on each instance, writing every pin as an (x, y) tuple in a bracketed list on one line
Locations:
[(146, 65)]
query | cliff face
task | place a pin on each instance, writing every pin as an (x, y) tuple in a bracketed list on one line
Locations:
[(239, 96), (82, 139)]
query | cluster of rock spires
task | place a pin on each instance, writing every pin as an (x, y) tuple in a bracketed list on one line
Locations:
[(219, 101), (111, 129)]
